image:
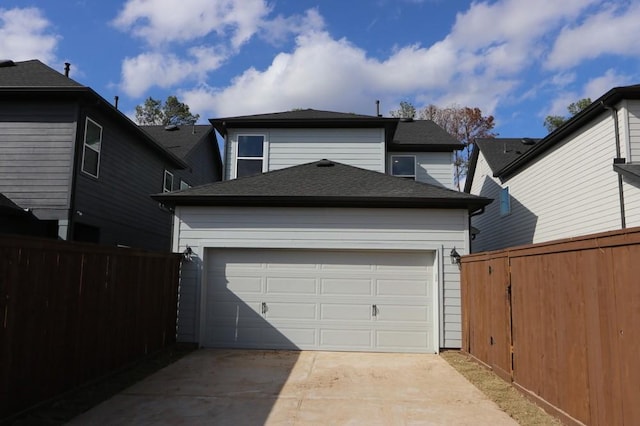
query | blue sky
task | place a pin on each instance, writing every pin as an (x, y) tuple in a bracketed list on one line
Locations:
[(518, 60)]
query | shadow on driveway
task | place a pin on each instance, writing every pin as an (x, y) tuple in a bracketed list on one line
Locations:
[(255, 387)]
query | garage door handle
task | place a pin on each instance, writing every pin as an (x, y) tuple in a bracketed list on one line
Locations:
[(374, 310), (264, 308)]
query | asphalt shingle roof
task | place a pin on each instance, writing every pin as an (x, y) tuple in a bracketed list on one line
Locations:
[(33, 73), (423, 132), (499, 152), (302, 114), (324, 183), (6, 203), (181, 140)]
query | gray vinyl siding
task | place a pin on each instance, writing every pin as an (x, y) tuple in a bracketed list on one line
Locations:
[(203, 167), (634, 130), (118, 201), (36, 156), (571, 190), (362, 148), (630, 135), (435, 168), (326, 228)]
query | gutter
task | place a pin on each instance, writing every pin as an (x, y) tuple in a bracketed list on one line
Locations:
[(618, 160)]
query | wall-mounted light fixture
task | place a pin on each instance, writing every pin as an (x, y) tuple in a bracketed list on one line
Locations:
[(455, 257), (187, 253)]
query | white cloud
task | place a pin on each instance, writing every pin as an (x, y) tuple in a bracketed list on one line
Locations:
[(612, 30), (142, 72), (25, 34), (600, 85), (162, 21)]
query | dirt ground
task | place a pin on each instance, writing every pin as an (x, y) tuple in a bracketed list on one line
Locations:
[(502, 393)]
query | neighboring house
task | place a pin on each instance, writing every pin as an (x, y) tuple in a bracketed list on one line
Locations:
[(15, 220), (309, 243), (78, 163), (197, 146), (582, 178)]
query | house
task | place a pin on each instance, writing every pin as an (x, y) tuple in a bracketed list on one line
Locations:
[(80, 165), (17, 221), (330, 231), (582, 178), (197, 146)]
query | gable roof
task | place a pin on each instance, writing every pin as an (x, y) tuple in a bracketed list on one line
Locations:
[(36, 81), (324, 184), (179, 140), (305, 118), (412, 135)]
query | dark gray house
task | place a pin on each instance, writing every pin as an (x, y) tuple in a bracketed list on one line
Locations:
[(77, 163)]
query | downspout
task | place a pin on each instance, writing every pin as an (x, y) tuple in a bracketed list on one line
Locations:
[(77, 155), (476, 213), (616, 127)]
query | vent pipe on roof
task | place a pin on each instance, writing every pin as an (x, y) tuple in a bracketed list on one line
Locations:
[(378, 108), (116, 98), (67, 68)]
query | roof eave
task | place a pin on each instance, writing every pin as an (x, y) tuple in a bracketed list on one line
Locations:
[(405, 147)]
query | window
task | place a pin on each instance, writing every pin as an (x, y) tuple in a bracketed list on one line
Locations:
[(92, 144), (184, 185), (250, 156), (505, 202), (403, 166), (168, 181)]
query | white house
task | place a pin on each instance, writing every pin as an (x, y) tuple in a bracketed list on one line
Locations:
[(582, 178), (311, 243)]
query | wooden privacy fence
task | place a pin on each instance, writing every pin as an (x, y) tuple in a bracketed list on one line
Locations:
[(70, 313), (562, 321)]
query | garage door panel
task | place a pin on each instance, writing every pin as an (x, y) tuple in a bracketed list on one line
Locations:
[(293, 285), (351, 312), (343, 286), (319, 299), (291, 311), (418, 313), (341, 338), (399, 287)]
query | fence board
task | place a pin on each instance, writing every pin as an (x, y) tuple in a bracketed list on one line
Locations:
[(72, 312), (575, 306)]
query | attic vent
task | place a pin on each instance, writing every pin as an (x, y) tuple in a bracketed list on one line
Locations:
[(171, 127), (528, 141), (7, 63), (325, 163)]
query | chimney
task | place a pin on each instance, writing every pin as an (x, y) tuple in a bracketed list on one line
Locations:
[(67, 67), (378, 108), (116, 98)]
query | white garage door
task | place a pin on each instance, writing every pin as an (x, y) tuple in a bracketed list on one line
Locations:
[(323, 300)]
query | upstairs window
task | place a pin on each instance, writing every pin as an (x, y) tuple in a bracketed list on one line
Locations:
[(505, 202), (403, 166), (184, 185), (167, 185), (250, 158), (92, 145)]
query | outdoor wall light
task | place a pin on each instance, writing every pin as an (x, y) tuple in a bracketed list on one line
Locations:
[(186, 254), (455, 257)]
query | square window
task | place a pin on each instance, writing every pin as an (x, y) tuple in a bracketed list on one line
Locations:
[(505, 202), (403, 166), (92, 147)]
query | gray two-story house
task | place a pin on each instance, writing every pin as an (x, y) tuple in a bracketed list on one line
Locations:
[(79, 165), (330, 231)]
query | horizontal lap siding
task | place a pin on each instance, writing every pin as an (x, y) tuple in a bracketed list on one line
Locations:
[(36, 156), (630, 132), (321, 229), (571, 190), (435, 168), (362, 148)]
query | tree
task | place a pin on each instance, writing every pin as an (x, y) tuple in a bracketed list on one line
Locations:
[(406, 110), (171, 112), (465, 124), (552, 122)]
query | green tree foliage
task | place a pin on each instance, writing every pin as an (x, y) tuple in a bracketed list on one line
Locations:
[(552, 122), (153, 111), (406, 110)]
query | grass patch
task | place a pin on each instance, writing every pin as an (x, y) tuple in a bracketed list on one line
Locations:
[(62, 409), (508, 398)]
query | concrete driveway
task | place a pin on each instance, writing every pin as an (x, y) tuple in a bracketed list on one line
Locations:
[(241, 387)]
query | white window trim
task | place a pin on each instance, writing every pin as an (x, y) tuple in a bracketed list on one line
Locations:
[(85, 146), (503, 191), (164, 181), (413, 176), (265, 150)]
